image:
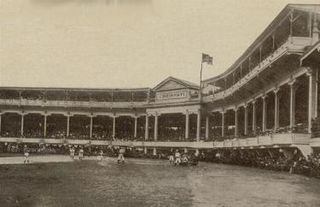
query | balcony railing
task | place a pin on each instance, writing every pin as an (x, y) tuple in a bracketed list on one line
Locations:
[(60, 103), (267, 140), (292, 45), (276, 140)]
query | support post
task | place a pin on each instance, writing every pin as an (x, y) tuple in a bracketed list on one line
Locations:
[(292, 104), (207, 127), (222, 124), (246, 120), (236, 129), (276, 109), (0, 124), (114, 127), (254, 118), (156, 127), (198, 125), (187, 125), (45, 125), (68, 125), (91, 126), (146, 135), (316, 93), (22, 124), (135, 127), (311, 99), (264, 113)]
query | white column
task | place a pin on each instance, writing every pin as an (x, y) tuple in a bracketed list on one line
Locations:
[(236, 130), (185, 150), (198, 125), (154, 151), (22, 124), (276, 109), (114, 127), (316, 80), (155, 127), (0, 124), (310, 103), (145, 150), (311, 99), (264, 113), (207, 127), (135, 126), (187, 126), (254, 117), (222, 124), (68, 125), (146, 136), (292, 104), (91, 126), (45, 125), (246, 120)]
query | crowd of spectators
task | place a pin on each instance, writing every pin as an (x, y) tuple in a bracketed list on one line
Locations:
[(270, 159), (288, 160)]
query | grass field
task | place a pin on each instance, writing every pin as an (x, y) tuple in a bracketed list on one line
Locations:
[(89, 183), (151, 183)]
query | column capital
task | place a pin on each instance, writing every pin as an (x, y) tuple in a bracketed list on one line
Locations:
[(155, 113), (309, 71), (69, 114), (24, 113), (292, 82), (276, 90), (264, 96)]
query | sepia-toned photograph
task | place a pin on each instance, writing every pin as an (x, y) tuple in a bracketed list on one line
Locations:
[(159, 103)]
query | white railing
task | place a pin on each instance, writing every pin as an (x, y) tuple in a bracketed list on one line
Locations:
[(285, 139), (274, 139), (293, 44), (61, 103)]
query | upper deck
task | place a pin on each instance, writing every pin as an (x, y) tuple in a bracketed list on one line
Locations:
[(169, 91), (290, 34)]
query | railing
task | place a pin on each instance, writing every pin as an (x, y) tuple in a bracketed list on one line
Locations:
[(293, 44), (266, 140), (26, 102), (289, 139)]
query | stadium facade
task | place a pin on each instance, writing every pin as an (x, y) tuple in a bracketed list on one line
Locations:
[(267, 99)]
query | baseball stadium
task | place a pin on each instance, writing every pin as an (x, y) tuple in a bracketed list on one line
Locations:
[(253, 132)]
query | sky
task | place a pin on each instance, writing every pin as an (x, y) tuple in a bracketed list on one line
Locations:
[(125, 43)]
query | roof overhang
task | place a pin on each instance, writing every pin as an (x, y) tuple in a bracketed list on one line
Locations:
[(312, 52)]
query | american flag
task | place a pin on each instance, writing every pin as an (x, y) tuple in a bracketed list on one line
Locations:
[(207, 59)]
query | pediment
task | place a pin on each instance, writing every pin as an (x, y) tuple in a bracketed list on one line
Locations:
[(173, 84), (170, 85)]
